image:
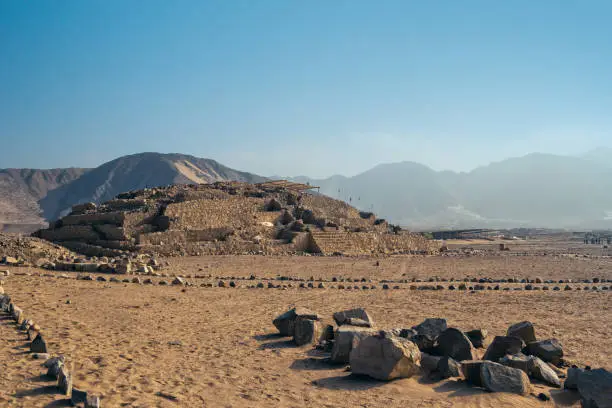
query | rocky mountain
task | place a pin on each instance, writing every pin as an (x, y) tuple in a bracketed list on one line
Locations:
[(45, 194), (20, 191), (538, 190)]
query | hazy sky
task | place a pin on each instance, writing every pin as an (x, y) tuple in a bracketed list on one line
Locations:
[(303, 87)]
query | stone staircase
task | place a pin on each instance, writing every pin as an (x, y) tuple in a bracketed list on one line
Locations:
[(346, 243)]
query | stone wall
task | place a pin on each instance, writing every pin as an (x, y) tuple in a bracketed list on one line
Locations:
[(364, 243)]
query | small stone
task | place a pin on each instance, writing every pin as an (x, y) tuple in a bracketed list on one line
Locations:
[(40, 356), (501, 346), (549, 350), (448, 368), (431, 327), (78, 396), (346, 316), (38, 345), (306, 331), (453, 343), (543, 397)]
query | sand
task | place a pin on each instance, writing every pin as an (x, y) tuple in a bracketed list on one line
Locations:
[(216, 347)]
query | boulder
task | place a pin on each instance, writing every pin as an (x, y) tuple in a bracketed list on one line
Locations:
[(64, 381), (549, 350), (345, 338), (453, 343), (477, 337), (429, 363), (502, 345), (78, 396), (533, 367), (571, 380), (543, 372), (38, 345), (499, 378), (431, 327), (385, 357), (595, 388), (448, 368), (306, 331), (423, 342), (346, 316), (522, 330), (285, 322), (470, 370)]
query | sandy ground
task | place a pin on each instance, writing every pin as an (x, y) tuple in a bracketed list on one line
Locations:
[(216, 347)]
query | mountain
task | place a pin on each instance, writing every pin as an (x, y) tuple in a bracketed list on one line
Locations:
[(537, 190), (601, 155), (20, 191), (47, 196)]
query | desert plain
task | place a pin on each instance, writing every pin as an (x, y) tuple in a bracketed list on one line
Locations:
[(139, 345)]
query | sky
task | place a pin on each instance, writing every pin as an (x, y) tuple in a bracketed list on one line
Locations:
[(315, 88)]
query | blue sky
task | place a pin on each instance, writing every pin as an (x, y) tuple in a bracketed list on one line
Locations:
[(313, 87)]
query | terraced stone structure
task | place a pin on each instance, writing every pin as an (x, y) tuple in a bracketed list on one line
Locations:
[(228, 218)]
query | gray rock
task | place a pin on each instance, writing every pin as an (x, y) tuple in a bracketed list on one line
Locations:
[(429, 363), (477, 337), (424, 342), (542, 371), (345, 317), (78, 396), (571, 381), (595, 388), (64, 381), (549, 350), (522, 330), (306, 331), (502, 345), (453, 343), (470, 370), (345, 338), (38, 345), (448, 368), (92, 401), (385, 358), (499, 378), (179, 281), (431, 327), (285, 322)]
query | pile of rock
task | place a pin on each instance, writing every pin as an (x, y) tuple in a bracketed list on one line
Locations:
[(56, 367), (508, 364)]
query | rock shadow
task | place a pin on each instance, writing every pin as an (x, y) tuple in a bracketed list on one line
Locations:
[(312, 363), (279, 344), (348, 382), (457, 388), (565, 398), (34, 392), (268, 336)]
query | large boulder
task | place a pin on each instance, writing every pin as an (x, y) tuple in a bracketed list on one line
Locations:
[(499, 378), (431, 327), (549, 350), (571, 380), (345, 338), (385, 357), (285, 322), (595, 388), (523, 330), (502, 345), (453, 343), (533, 367), (470, 370), (477, 337), (306, 331), (358, 315)]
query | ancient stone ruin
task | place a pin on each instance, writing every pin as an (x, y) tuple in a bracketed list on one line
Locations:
[(228, 218)]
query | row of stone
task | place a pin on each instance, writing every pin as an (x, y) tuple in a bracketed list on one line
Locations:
[(56, 368), (443, 352)]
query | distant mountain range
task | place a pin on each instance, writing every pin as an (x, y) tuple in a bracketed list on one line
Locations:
[(30, 197), (537, 190)]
